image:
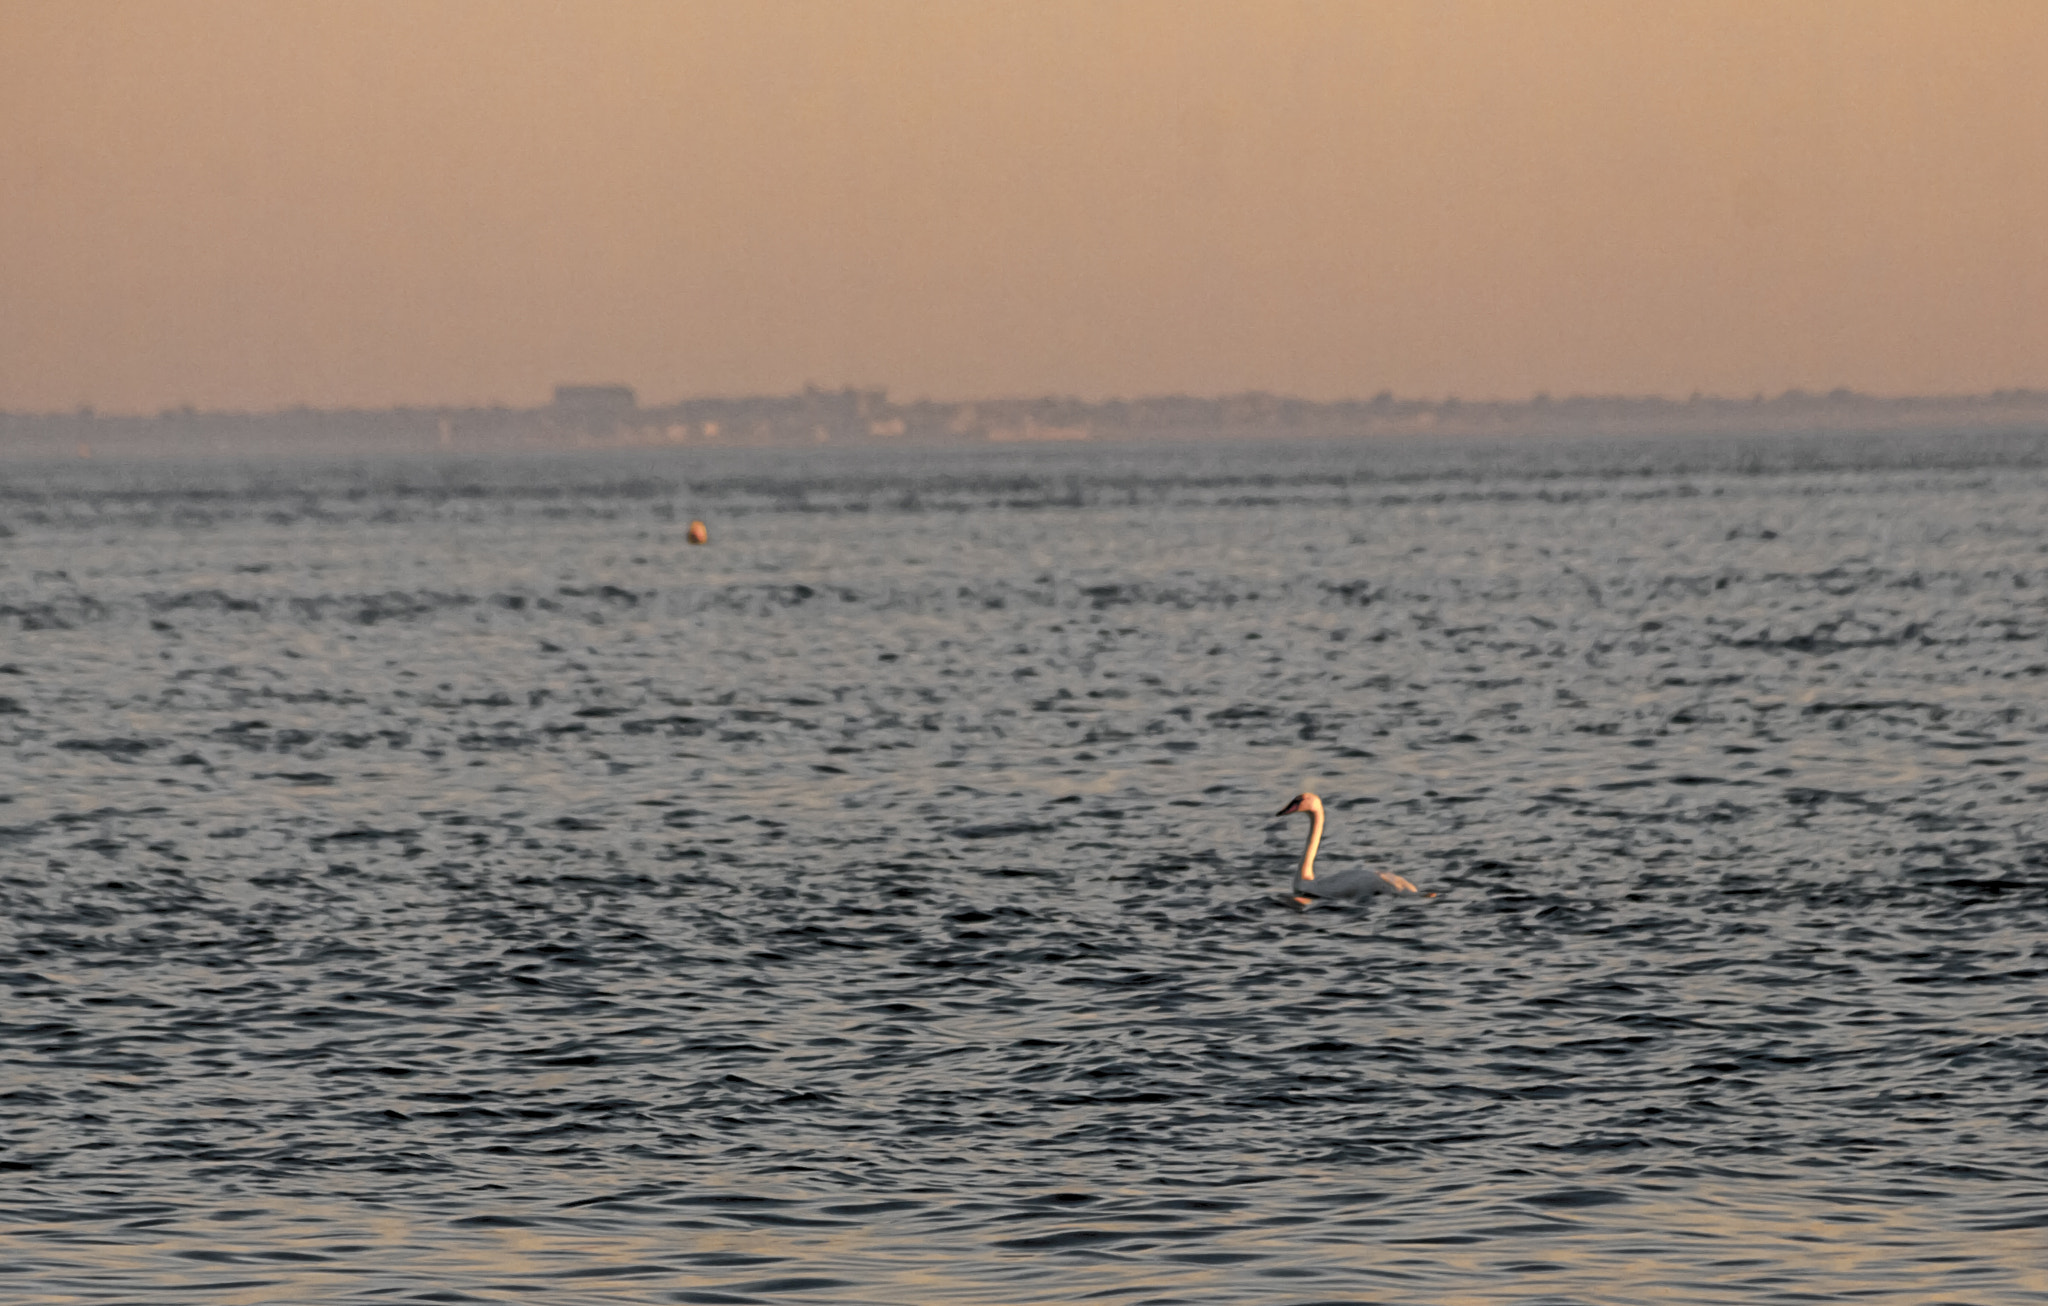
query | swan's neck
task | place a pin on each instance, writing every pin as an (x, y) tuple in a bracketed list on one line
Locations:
[(1307, 873)]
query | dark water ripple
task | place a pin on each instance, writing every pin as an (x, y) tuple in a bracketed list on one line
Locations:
[(437, 882)]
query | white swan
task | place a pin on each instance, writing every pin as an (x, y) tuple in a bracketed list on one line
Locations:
[(1352, 883)]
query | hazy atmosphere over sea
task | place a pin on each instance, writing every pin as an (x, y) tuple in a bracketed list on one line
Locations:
[(648, 652), (237, 204)]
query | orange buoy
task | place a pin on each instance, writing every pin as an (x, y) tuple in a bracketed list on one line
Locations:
[(698, 535)]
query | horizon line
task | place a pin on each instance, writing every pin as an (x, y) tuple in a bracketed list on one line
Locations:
[(1382, 398)]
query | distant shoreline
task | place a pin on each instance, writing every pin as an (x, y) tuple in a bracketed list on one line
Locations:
[(609, 417)]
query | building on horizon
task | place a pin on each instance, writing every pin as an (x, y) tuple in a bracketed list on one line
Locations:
[(591, 400)]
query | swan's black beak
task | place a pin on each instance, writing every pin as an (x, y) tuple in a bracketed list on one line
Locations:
[(1289, 809)]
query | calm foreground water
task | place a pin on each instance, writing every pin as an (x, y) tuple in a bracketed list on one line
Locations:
[(437, 882)]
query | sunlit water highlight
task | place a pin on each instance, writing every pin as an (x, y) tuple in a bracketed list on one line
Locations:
[(440, 882)]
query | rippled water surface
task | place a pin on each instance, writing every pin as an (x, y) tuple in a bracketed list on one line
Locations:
[(438, 882)]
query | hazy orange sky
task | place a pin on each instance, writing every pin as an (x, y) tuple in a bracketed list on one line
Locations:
[(251, 205)]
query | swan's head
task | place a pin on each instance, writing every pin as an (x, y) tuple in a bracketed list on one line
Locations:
[(1301, 803)]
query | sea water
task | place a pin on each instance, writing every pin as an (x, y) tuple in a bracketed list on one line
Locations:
[(438, 881)]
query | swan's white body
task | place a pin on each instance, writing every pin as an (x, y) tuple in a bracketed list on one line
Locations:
[(1352, 883)]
